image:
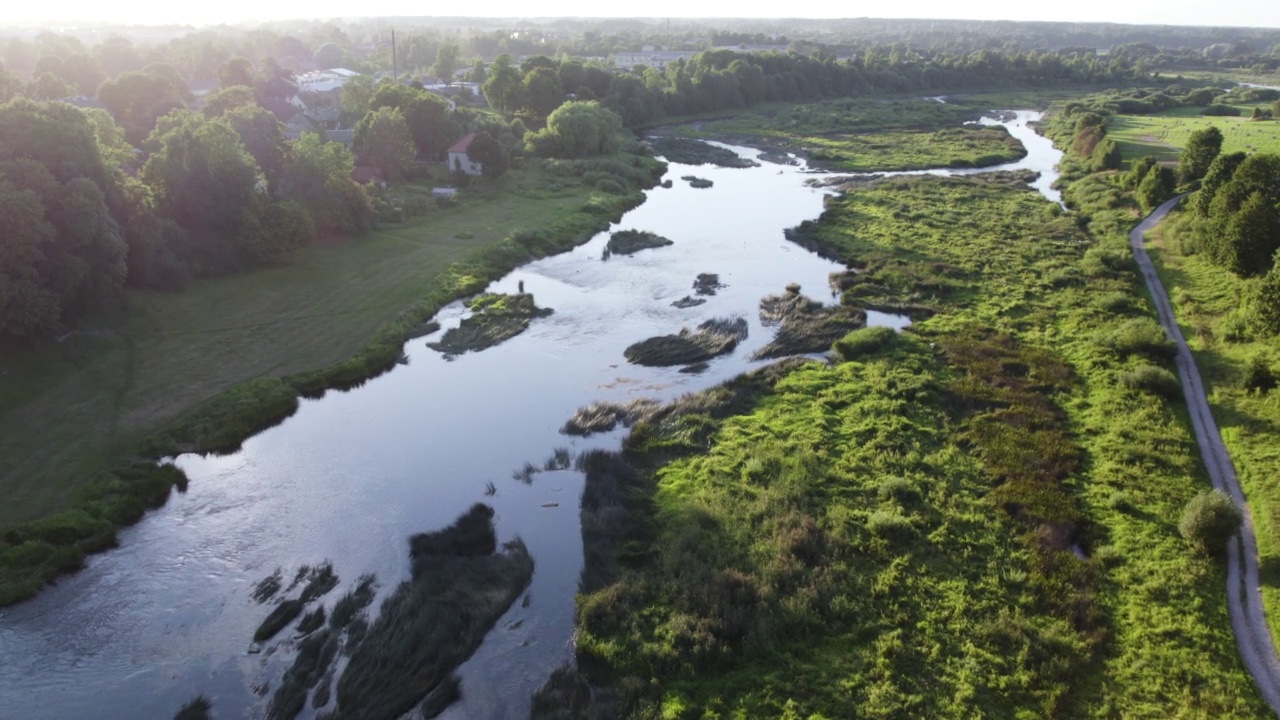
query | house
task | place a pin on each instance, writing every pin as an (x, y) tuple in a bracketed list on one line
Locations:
[(459, 161)]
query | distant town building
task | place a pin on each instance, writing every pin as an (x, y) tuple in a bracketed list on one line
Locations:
[(323, 81)]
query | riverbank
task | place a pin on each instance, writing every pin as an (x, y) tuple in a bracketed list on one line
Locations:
[(204, 369), (902, 456)]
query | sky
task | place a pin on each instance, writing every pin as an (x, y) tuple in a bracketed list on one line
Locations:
[(1255, 13)]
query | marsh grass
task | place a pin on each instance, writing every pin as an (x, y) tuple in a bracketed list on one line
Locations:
[(281, 615), (804, 325), (494, 319), (431, 623), (714, 337), (687, 151), (627, 242), (438, 700), (268, 586), (354, 601), (697, 182), (312, 621)]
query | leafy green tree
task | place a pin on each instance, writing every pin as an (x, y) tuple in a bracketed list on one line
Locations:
[(137, 99), (492, 156), (236, 71), (578, 129), (263, 136), (355, 96), (1138, 171), (1264, 306), (27, 306), (502, 87), (84, 73), (431, 125), (272, 229), (47, 86), (1106, 155), (1156, 187), (1209, 520), (329, 55), (477, 73), (1202, 148), (1250, 237), (382, 140), (225, 100), (1221, 170), (541, 91), (318, 177), (448, 58), (203, 180)]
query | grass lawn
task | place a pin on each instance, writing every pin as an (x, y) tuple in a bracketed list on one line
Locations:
[(71, 408), (1164, 135)]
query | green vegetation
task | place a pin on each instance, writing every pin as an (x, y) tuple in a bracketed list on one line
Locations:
[(899, 529), (687, 151), (626, 242), (1209, 521), (710, 339), (697, 182), (1163, 136), (71, 413), (494, 319), (950, 147), (804, 325)]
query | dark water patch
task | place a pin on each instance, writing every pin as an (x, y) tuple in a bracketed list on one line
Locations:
[(804, 325), (697, 182), (707, 284), (687, 151), (710, 339), (626, 242), (435, 620), (495, 318), (687, 302)]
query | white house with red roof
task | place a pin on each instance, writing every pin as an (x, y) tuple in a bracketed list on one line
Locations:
[(459, 161)]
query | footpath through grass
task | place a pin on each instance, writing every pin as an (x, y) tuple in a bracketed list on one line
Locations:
[(1207, 300), (205, 368), (895, 535)]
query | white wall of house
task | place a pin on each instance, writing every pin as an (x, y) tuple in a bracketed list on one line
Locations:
[(460, 161)]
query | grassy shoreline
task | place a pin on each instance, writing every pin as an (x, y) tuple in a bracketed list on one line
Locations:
[(150, 389)]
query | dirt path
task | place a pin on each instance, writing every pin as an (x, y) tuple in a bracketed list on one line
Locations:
[(1244, 601)]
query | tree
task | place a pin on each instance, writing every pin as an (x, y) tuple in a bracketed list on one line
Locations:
[(47, 86), (578, 129), (382, 140), (1202, 148), (137, 99), (1209, 520), (1106, 155), (225, 100), (27, 306), (1250, 237), (236, 71), (318, 177), (1221, 170), (541, 91), (204, 180), (272, 229), (1138, 171), (430, 123), (1264, 306), (490, 153), (447, 59), (263, 136), (355, 96), (502, 88), (329, 55), (1156, 187), (477, 73)]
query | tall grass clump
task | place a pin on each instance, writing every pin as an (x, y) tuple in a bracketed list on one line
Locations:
[(1154, 380)]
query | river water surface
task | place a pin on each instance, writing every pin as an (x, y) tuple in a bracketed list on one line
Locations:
[(350, 476)]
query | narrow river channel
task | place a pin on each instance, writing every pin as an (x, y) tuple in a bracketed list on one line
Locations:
[(350, 476)]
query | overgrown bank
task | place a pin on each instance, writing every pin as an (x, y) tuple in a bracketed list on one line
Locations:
[(978, 517), (91, 481)]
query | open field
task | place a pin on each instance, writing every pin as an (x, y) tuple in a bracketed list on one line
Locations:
[(1164, 135), (71, 408), (878, 532)]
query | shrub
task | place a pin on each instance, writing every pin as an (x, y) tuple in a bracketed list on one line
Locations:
[(1154, 380), (1209, 520), (864, 342), (1099, 262), (1258, 375), (900, 489), (890, 525), (1140, 336), (1220, 110)]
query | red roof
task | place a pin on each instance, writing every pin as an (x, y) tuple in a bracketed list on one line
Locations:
[(462, 145)]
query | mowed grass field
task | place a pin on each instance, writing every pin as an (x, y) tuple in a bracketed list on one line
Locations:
[(1163, 136), (71, 408)]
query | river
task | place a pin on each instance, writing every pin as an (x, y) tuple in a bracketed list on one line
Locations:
[(168, 615)]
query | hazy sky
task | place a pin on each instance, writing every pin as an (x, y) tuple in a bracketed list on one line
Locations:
[(1263, 13)]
